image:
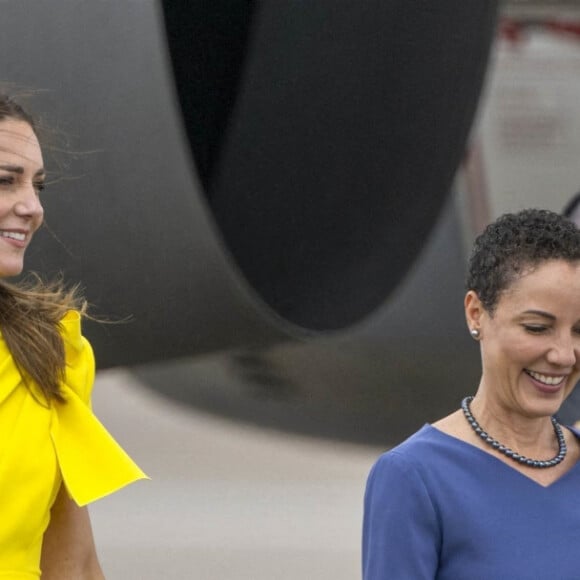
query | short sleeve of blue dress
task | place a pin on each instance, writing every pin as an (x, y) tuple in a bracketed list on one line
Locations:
[(400, 529)]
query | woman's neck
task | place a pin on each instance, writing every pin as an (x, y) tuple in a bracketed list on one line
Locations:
[(503, 421)]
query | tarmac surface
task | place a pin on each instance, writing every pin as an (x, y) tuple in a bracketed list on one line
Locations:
[(226, 500)]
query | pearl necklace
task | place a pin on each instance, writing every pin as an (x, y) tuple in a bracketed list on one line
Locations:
[(507, 451)]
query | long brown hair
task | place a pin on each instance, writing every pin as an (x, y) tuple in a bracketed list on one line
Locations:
[(31, 310)]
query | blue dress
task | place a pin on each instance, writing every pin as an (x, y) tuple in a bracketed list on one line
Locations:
[(439, 508)]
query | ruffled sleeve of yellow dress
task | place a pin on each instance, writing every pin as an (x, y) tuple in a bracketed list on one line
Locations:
[(91, 462)]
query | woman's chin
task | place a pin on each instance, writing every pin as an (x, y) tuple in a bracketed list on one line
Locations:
[(9, 270)]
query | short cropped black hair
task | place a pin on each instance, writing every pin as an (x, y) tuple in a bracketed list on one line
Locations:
[(516, 242)]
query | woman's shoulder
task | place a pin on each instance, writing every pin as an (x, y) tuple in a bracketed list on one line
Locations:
[(418, 448), (79, 357), (425, 450), (412, 468), (440, 434), (71, 330)]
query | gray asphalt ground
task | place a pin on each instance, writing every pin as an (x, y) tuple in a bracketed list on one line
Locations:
[(226, 500)]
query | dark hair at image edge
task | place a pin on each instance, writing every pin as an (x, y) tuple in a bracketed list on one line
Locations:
[(31, 310), (10, 109), (515, 243)]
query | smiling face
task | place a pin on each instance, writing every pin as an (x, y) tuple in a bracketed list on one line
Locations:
[(21, 178), (530, 346)]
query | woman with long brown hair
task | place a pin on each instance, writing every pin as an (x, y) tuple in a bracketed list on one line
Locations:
[(55, 456)]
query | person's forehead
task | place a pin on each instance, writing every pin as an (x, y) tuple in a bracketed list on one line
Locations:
[(545, 280), (19, 143)]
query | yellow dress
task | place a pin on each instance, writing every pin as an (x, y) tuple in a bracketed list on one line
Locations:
[(42, 446)]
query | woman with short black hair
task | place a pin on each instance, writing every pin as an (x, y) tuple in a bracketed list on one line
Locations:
[(490, 491)]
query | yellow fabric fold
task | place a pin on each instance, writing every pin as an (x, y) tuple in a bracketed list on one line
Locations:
[(91, 462)]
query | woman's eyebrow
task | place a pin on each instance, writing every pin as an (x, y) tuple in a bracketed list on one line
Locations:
[(540, 313), (13, 168), (20, 170)]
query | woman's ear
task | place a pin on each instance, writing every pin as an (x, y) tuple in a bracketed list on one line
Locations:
[(473, 312)]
